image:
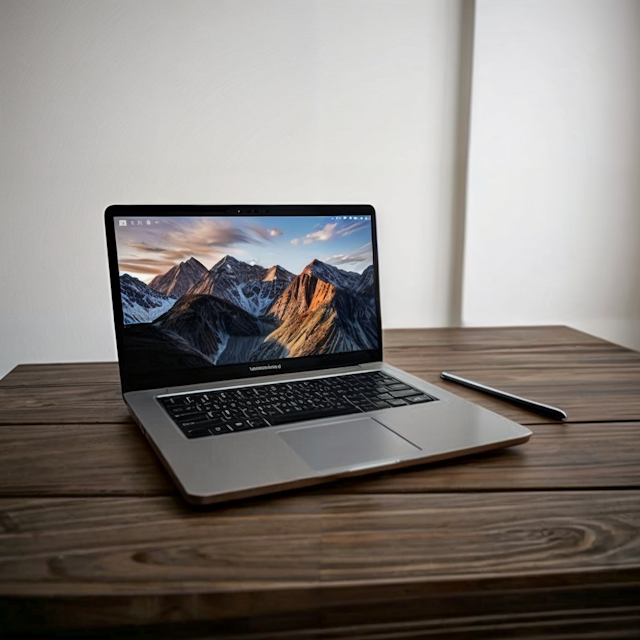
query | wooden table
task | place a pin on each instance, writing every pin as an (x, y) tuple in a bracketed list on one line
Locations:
[(541, 540)]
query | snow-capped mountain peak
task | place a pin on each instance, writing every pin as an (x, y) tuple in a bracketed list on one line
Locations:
[(141, 303)]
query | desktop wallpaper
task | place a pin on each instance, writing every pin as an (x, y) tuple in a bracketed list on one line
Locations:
[(212, 291)]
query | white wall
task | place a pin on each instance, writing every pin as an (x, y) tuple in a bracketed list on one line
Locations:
[(216, 101), (553, 209)]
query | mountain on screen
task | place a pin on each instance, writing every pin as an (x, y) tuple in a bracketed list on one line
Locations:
[(208, 323), (237, 312), (179, 279), (141, 303), (250, 287), (320, 312)]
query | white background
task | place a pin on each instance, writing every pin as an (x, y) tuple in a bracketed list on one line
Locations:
[(553, 210), (281, 101)]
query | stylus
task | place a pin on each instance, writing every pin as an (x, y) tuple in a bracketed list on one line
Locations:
[(532, 405)]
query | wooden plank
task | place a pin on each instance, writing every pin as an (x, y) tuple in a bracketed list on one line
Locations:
[(86, 460), (103, 545), (378, 538), (64, 404), (490, 338), (79, 460), (602, 612), (56, 374), (348, 555), (60, 547)]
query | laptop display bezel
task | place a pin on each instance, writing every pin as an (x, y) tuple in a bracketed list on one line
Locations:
[(214, 373)]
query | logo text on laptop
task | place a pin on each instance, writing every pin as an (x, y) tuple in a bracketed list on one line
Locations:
[(264, 367)]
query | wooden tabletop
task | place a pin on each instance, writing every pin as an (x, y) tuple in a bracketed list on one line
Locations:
[(540, 540)]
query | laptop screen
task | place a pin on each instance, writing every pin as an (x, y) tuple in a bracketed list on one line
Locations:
[(204, 292)]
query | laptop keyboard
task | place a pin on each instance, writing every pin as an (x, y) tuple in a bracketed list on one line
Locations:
[(210, 413)]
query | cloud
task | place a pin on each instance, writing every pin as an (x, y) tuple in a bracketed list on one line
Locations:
[(363, 254), (206, 233), (321, 235), (331, 230), (140, 265), (351, 228), (262, 233), (206, 239), (259, 232), (144, 247)]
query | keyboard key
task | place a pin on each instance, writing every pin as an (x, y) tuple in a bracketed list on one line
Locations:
[(183, 411), (399, 386), (221, 428), (240, 425), (419, 399), (198, 433), (397, 403), (192, 423), (404, 394), (203, 423)]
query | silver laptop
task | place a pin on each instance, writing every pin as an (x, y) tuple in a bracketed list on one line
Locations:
[(250, 351)]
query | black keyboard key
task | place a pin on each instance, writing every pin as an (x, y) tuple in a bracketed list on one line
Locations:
[(198, 433), (419, 399), (190, 422), (240, 425), (404, 394), (399, 386), (397, 403), (187, 415), (208, 423), (221, 428)]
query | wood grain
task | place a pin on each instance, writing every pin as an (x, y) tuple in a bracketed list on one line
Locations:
[(537, 541), (90, 459), (79, 460), (70, 373), (309, 552)]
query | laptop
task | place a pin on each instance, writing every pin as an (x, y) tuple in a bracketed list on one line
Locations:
[(250, 351)]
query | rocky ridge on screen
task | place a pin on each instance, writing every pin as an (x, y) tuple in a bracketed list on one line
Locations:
[(237, 312)]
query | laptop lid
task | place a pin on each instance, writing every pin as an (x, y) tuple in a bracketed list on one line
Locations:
[(208, 293)]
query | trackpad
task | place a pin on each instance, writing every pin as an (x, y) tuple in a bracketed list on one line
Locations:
[(346, 444)]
